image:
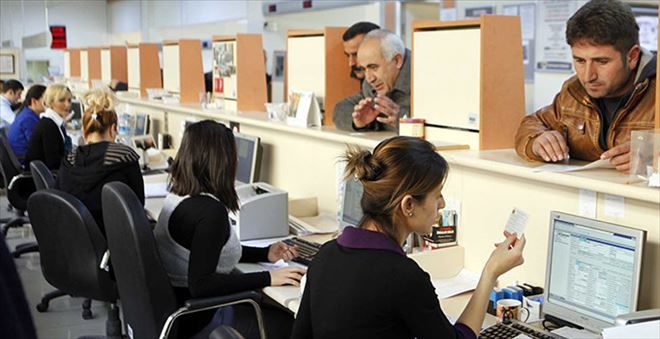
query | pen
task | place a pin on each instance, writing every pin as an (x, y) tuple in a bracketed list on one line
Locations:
[(567, 156)]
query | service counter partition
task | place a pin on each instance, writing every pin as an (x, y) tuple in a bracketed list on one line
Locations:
[(484, 186)]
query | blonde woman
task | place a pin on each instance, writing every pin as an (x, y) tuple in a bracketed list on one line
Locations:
[(84, 171), (49, 141)]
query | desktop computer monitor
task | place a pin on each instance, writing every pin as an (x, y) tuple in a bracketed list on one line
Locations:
[(351, 211), (76, 110), (248, 151), (141, 124), (593, 271)]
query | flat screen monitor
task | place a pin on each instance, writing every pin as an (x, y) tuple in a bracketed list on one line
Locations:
[(351, 211), (141, 124), (593, 271), (76, 110), (248, 151)]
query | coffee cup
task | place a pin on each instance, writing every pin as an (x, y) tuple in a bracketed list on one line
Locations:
[(508, 309)]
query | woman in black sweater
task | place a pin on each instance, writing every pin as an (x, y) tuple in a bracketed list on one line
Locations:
[(84, 171), (363, 285), (197, 244), (49, 141)]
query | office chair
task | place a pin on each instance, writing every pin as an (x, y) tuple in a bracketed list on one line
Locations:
[(18, 184), (148, 299), (71, 247), (43, 179)]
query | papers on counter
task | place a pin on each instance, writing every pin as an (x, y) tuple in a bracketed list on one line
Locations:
[(155, 190), (648, 329), (464, 281), (574, 333), (601, 163)]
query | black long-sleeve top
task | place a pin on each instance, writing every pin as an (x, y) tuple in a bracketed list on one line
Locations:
[(200, 224), (85, 170), (46, 144)]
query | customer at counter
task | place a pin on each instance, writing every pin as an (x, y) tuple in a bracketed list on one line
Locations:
[(611, 94)]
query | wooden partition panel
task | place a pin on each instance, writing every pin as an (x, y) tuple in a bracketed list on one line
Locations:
[(338, 81), (74, 59), (251, 73), (191, 71), (502, 83), (119, 63), (150, 76), (94, 61)]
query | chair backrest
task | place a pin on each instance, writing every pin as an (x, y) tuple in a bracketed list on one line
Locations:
[(10, 166), (144, 287), (70, 245), (42, 176)]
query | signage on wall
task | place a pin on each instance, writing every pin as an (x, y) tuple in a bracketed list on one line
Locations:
[(59, 37)]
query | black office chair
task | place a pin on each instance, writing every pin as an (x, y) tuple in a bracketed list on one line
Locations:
[(43, 179), (148, 300), (19, 185), (71, 247)]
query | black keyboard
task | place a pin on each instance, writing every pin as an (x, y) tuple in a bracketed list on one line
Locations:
[(512, 330), (306, 250)]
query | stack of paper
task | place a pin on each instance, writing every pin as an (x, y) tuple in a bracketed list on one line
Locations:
[(464, 281), (649, 329)]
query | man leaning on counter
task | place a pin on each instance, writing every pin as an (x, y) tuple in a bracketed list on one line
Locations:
[(611, 94)]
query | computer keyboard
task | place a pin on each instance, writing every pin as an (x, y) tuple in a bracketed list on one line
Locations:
[(514, 329), (306, 250)]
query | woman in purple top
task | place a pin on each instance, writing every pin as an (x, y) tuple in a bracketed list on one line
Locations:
[(363, 285), (27, 118)]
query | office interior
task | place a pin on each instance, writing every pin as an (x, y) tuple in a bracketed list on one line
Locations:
[(162, 50)]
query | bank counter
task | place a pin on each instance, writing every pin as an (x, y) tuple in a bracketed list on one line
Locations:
[(484, 186)]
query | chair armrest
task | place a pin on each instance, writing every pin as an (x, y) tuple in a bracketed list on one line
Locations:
[(22, 176), (199, 303)]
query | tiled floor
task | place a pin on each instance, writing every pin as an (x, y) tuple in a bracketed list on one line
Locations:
[(64, 316)]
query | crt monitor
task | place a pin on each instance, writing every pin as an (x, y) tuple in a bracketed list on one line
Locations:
[(248, 151), (593, 271), (351, 211), (76, 110), (141, 124)]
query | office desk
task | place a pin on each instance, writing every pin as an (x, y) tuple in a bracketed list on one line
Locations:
[(485, 186)]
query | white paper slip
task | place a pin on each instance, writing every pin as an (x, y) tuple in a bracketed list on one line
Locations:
[(517, 222), (574, 333), (464, 281), (155, 190), (601, 163), (521, 336), (649, 329)]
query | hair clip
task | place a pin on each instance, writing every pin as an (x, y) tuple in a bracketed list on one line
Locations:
[(94, 116)]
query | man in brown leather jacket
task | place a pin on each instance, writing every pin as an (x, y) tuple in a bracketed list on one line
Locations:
[(611, 94)]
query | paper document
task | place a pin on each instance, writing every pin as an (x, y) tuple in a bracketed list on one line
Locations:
[(570, 333), (601, 163), (649, 329), (319, 224), (517, 222), (464, 281), (155, 190)]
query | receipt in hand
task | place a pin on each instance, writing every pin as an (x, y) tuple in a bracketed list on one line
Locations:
[(517, 222)]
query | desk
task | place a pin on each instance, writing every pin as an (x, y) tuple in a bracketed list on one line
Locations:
[(486, 185)]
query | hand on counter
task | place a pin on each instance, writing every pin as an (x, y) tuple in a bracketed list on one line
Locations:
[(619, 156), (551, 146)]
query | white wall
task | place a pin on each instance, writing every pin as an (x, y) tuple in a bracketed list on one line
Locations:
[(85, 22)]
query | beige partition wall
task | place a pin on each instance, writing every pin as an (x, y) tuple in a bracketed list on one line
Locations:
[(133, 68), (316, 62), (94, 64), (105, 66), (183, 73), (473, 94), (239, 72), (84, 66)]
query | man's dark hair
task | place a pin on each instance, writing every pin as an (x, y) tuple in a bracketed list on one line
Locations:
[(604, 22), (362, 27), (13, 85)]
